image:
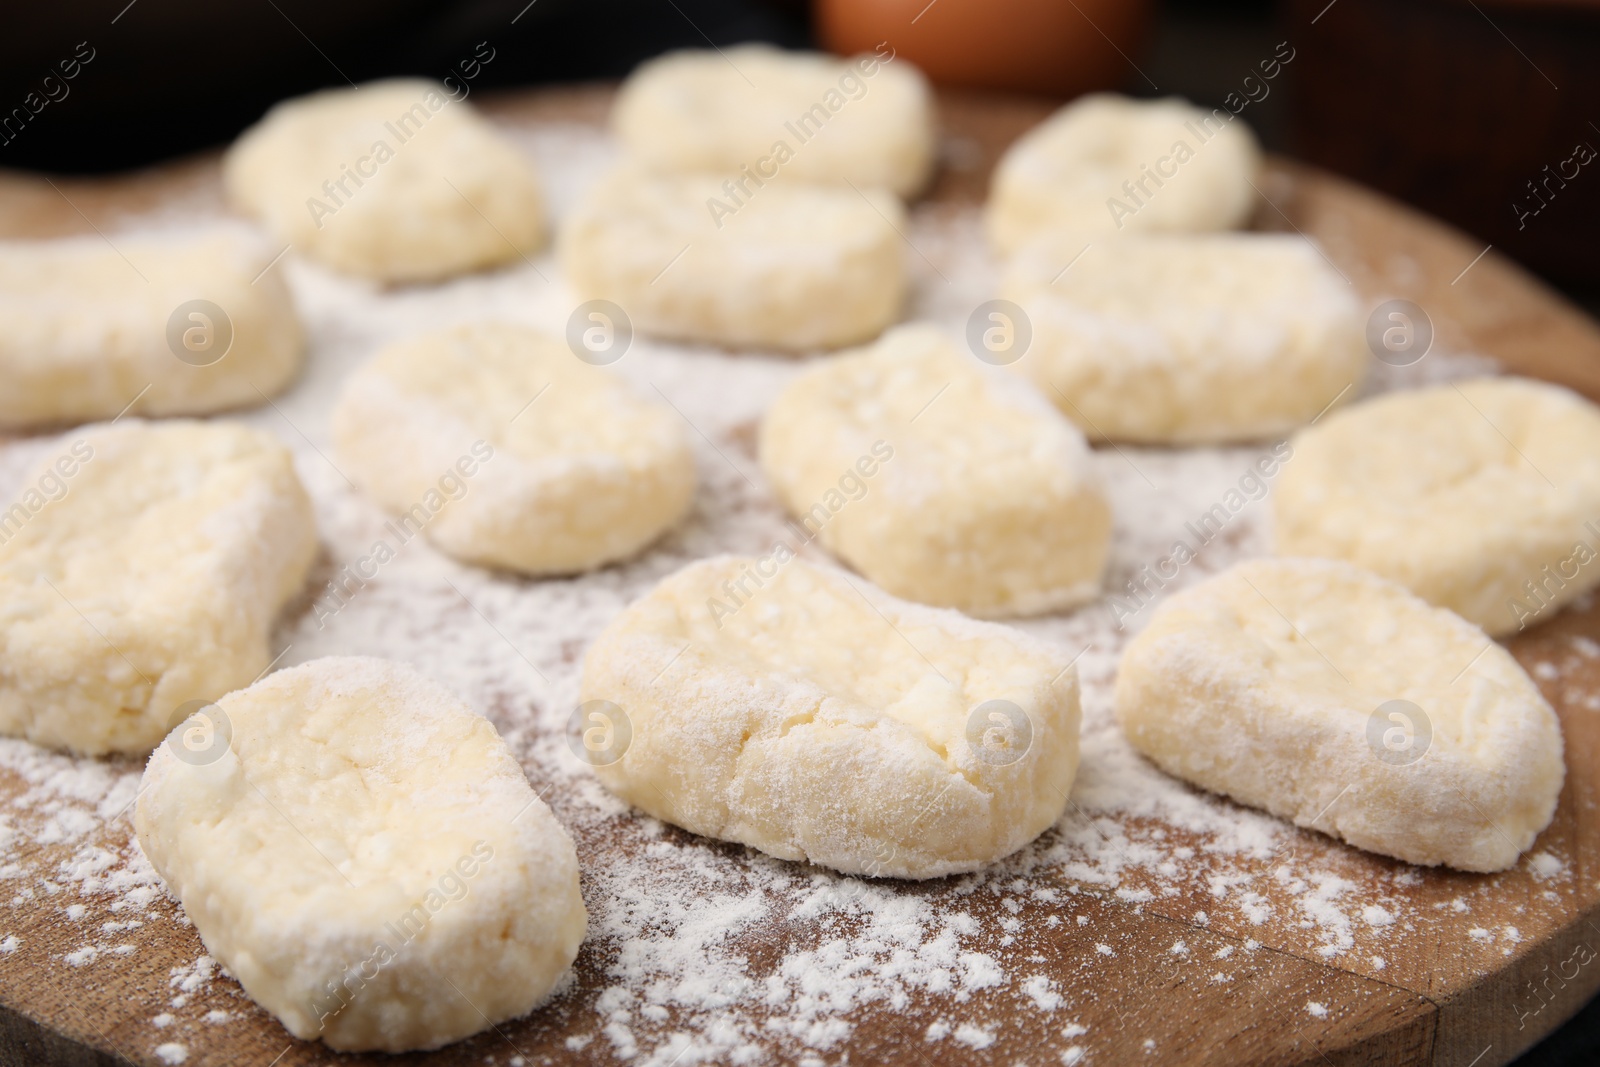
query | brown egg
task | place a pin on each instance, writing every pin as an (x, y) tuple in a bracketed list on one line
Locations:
[(1042, 46)]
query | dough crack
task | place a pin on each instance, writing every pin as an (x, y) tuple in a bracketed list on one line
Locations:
[(844, 716)]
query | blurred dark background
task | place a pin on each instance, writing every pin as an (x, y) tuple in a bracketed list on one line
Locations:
[(1483, 112)]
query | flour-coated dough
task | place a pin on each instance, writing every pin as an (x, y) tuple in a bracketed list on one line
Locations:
[(1068, 173), (797, 267), (862, 119), (1482, 497), (394, 180), (509, 451), (1272, 683), (363, 853), (84, 326), (983, 497), (142, 566), (791, 708), (1187, 339)]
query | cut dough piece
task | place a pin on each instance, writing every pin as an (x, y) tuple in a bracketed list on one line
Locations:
[(1482, 497), (395, 180), (797, 267), (1187, 339), (86, 330), (786, 707), (510, 452), (1106, 164), (142, 566), (942, 480), (791, 116), (1336, 699), (363, 853)]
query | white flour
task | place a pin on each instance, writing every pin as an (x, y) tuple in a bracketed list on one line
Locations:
[(699, 951)]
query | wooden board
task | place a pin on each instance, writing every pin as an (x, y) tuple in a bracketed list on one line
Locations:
[(1442, 994)]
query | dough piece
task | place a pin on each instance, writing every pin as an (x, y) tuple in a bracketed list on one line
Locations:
[(942, 480), (1188, 339), (790, 708), (1285, 683), (396, 181), (802, 115), (1482, 497), (797, 267), (1108, 164), (509, 452), (87, 329), (362, 852), (142, 566)]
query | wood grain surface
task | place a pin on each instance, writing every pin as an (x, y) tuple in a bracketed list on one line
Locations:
[(1438, 996)]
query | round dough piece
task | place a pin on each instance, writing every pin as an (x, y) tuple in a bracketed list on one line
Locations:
[(795, 267), (362, 852), (1188, 339), (1481, 497), (508, 451), (1107, 164), (88, 331), (396, 181), (142, 566), (802, 115), (942, 480), (787, 707), (1336, 699)]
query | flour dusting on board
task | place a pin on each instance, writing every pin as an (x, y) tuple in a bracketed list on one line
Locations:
[(700, 951)]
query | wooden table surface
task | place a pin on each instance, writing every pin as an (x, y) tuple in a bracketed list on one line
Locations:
[(1439, 996)]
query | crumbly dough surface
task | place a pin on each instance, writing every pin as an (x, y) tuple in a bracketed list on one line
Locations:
[(1107, 164), (807, 714), (84, 326), (395, 181), (1187, 339), (362, 851), (1482, 497), (942, 480), (1274, 683), (507, 450), (142, 567), (796, 267), (861, 119)]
